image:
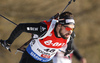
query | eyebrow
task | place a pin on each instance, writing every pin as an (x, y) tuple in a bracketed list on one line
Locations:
[(68, 26)]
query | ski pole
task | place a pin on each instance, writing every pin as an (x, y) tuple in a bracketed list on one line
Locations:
[(65, 8), (67, 5), (8, 19)]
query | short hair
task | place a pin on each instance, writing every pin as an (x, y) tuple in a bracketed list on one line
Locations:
[(66, 15), (66, 18)]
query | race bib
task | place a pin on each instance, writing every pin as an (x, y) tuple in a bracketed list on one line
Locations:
[(40, 52)]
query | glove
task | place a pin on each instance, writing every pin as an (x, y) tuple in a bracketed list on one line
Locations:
[(22, 50), (5, 44)]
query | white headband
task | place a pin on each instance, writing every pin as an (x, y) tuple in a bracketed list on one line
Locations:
[(70, 21)]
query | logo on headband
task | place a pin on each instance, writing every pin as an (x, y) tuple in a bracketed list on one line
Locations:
[(70, 21), (67, 21)]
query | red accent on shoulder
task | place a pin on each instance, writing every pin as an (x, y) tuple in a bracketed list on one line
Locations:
[(47, 23)]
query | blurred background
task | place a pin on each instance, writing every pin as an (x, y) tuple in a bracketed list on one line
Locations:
[(86, 14)]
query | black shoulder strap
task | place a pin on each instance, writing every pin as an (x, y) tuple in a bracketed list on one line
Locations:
[(70, 43), (73, 34)]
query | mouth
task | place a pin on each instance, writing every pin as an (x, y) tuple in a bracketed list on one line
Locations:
[(67, 35)]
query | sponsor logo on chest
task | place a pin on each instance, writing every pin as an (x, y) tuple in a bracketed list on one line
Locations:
[(50, 43)]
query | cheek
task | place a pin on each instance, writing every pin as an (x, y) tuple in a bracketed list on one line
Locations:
[(64, 31)]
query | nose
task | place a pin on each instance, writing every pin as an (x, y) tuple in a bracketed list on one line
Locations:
[(69, 32)]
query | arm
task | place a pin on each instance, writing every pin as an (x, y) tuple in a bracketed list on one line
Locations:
[(35, 28), (76, 53), (71, 46), (78, 56)]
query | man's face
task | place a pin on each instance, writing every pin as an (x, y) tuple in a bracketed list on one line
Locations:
[(66, 30)]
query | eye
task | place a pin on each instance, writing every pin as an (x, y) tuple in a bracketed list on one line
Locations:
[(68, 28)]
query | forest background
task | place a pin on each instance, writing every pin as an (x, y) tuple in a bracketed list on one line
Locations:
[(86, 14)]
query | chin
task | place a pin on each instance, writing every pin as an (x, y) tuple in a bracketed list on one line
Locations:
[(65, 37)]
